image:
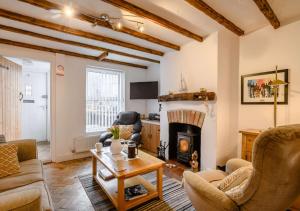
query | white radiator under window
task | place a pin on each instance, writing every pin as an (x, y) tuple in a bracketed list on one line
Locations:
[(84, 143)]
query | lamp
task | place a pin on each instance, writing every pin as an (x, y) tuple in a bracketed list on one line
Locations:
[(275, 84)]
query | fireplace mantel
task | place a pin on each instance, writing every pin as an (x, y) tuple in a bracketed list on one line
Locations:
[(189, 96)]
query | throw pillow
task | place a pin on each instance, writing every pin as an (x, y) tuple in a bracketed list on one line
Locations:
[(236, 193), (125, 131), (9, 163), (235, 178)]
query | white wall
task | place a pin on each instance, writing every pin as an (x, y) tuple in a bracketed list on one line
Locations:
[(153, 74), (227, 96), (261, 51), (199, 65), (212, 64), (71, 101), (276, 47), (68, 96)]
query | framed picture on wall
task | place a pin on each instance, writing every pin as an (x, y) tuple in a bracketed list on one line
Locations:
[(256, 88)]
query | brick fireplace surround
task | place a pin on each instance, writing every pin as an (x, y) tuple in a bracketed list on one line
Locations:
[(190, 117), (184, 134)]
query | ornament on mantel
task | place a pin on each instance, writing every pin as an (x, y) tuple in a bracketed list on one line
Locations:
[(183, 86)]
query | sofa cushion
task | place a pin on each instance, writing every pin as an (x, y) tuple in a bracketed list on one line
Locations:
[(125, 131), (45, 195), (22, 201), (235, 178), (30, 171), (9, 163)]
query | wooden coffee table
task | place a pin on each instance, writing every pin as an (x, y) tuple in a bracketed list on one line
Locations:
[(114, 188)]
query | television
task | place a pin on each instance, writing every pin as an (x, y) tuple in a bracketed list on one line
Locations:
[(144, 90)]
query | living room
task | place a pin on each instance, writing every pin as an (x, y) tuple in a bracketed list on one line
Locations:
[(189, 65)]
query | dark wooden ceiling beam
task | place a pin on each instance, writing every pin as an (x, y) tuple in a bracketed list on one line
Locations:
[(102, 56), (70, 42), (209, 11), (77, 32), (68, 53), (49, 5), (268, 12), (154, 18)]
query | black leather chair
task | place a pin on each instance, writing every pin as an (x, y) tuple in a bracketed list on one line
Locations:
[(125, 118)]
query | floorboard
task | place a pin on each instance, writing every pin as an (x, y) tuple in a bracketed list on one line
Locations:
[(66, 190)]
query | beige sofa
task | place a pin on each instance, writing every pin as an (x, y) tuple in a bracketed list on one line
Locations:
[(25, 190), (273, 186)]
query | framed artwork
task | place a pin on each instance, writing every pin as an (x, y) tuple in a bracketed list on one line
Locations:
[(256, 89)]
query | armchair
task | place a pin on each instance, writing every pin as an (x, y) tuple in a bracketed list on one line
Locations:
[(274, 183), (125, 118)]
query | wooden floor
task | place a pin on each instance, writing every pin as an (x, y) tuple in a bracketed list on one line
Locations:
[(66, 190), (43, 148)]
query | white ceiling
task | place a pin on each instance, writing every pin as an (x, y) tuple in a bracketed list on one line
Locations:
[(244, 13)]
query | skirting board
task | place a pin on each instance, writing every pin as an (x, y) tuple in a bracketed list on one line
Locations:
[(71, 156)]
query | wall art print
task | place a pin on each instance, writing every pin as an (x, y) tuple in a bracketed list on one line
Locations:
[(256, 88)]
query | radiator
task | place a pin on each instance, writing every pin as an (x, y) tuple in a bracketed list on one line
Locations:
[(84, 143)]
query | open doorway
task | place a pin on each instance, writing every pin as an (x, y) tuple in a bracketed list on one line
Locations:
[(35, 104)]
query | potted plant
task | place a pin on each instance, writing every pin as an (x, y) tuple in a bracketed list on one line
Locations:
[(116, 146)]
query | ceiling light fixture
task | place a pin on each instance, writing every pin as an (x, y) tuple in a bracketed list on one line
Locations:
[(140, 27), (68, 11), (119, 25), (116, 22)]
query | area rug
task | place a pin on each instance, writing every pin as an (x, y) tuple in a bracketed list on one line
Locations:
[(174, 197)]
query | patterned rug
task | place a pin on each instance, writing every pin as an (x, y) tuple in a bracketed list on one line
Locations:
[(173, 194)]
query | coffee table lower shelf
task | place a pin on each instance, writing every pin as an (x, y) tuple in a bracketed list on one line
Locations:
[(111, 189)]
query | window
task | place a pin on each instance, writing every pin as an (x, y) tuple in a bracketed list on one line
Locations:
[(104, 98), (28, 90)]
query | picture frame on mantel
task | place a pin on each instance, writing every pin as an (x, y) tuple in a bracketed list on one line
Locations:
[(256, 89)]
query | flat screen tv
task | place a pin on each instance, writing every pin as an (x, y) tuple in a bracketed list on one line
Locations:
[(144, 90)]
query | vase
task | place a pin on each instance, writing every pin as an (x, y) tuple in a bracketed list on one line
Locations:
[(116, 146)]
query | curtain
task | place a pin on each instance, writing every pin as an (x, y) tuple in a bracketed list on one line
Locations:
[(10, 102)]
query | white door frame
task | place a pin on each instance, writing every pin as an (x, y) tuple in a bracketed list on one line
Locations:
[(19, 52)]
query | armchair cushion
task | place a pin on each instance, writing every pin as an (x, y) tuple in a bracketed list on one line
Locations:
[(9, 163), (236, 193), (205, 196), (236, 178), (125, 131), (213, 176), (235, 163), (104, 137), (131, 118)]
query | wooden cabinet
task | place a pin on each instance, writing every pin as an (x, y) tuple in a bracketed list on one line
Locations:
[(248, 138), (150, 136)]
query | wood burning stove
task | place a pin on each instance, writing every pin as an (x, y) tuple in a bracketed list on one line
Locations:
[(184, 139), (185, 146)]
